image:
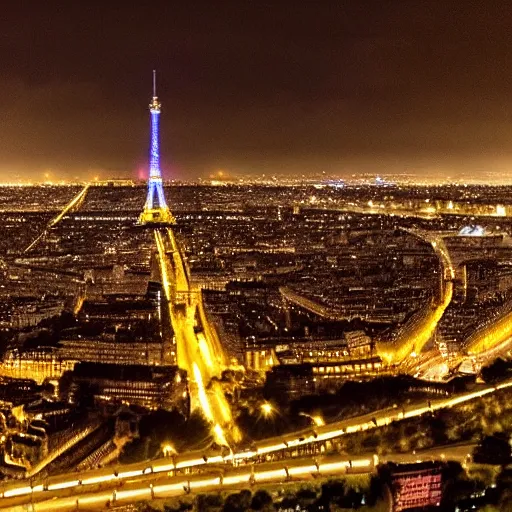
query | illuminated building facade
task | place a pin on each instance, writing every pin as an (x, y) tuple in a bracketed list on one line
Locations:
[(296, 380), (155, 209), (101, 351), (415, 486), (151, 387), (38, 365)]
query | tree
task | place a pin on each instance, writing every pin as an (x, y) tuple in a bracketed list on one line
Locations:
[(306, 497), (333, 492), (288, 502), (238, 502), (146, 507), (493, 449), (207, 502), (497, 370), (438, 430), (375, 490), (261, 500)]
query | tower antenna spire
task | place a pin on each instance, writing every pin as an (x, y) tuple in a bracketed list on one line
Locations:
[(154, 83)]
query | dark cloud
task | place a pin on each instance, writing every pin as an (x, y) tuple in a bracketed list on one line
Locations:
[(256, 86)]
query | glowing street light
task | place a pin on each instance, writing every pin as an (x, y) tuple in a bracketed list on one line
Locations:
[(317, 419), (266, 409), (168, 450)]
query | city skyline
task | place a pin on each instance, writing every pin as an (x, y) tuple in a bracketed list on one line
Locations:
[(283, 90), (299, 299)]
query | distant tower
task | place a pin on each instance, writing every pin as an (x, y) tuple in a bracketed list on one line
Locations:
[(155, 209)]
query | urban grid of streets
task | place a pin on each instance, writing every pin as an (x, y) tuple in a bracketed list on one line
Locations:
[(199, 351)]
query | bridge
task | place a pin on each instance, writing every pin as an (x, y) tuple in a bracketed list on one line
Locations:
[(153, 487)]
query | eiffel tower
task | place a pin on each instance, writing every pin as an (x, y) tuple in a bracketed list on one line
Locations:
[(155, 209)]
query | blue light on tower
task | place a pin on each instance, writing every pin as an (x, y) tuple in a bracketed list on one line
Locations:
[(155, 209), (154, 155)]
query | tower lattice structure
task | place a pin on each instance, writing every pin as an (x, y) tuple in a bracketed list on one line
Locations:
[(155, 209)]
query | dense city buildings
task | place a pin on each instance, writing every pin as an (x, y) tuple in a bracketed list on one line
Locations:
[(302, 297), (260, 320), (252, 325), (284, 283)]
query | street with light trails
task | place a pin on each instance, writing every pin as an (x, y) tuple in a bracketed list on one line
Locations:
[(194, 354), (151, 486)]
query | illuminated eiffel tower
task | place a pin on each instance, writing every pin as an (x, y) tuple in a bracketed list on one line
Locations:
[(155, 209)]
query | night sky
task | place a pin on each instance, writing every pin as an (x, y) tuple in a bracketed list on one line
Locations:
[(282, 87)]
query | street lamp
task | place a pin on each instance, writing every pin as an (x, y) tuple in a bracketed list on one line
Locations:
[(266, 408), (317, 420), (168, 449)]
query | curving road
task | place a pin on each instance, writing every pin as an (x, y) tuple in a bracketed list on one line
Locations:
[(420, 329)]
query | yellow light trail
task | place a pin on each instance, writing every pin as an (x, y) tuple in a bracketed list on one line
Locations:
[(163, 265), (422, 326), (220, 436), (194, 351), (490, 336), (299, 438), (205, 350), (75, 202), (415, 339), (203, 399)]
